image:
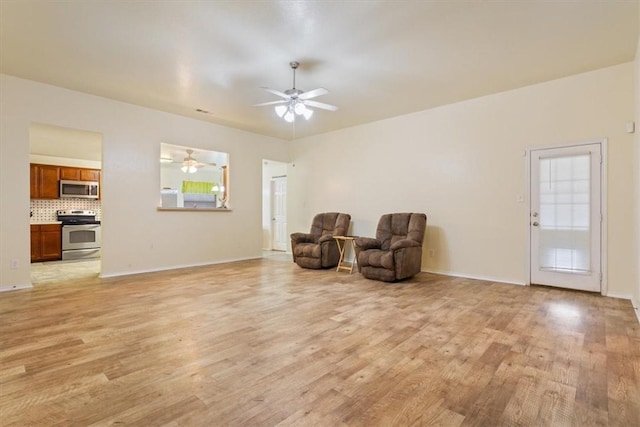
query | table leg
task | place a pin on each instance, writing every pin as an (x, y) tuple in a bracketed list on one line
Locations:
[(355, 258), (341, 249)]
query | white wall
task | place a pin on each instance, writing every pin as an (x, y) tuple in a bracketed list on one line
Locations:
[(136, 237), (637, 172), (463, 165)]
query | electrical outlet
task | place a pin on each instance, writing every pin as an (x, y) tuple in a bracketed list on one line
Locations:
[(432, 253), (14, 264)]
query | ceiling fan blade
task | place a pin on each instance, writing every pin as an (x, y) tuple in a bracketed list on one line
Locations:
[(313, 93), (321, 105), (276, 92), (270, 103)]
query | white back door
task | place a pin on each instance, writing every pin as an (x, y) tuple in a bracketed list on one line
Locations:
[(565, 218)]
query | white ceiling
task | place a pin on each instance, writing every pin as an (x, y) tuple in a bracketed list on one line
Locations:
[(378, 59)]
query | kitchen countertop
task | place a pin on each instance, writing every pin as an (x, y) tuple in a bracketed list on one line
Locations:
[(44, 222)]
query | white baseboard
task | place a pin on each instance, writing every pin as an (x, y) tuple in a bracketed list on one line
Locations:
[(620, 296), (15, 287), (636, 307), (175, 267), (471, 276), (634, 302)]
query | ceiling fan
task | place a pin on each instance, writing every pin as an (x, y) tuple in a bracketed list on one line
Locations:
[(190, 164), (296, 101)]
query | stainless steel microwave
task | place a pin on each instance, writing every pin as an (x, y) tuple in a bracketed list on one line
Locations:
[(79, 189)]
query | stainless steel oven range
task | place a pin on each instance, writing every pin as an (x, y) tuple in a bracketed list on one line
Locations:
[(80, 234)]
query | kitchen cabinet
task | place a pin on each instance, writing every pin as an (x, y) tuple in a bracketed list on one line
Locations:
[(79, 174), (69, 173), (46, 242), (89, 175), (44, 181)]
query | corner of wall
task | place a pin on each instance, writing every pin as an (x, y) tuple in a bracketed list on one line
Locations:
[(636, 298)]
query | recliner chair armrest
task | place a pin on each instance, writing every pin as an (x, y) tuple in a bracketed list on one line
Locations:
[(302, 238), (404, 243), (364, 243), (325, 238)]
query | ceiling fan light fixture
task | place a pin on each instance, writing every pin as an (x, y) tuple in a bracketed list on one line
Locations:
[(299, 108), (289, 117), (294, 100), (281, 109)]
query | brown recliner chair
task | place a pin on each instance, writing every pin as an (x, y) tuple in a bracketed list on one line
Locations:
[(317, 249), (396, 252)]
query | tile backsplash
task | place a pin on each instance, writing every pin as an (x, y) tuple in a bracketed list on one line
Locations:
[(45, 210)]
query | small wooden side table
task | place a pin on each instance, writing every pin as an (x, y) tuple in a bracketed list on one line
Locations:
[(342, 242)]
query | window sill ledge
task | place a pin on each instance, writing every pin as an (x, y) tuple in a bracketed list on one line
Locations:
[(193, 209)]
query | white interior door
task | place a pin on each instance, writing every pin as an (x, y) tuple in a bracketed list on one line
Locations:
[(279, 213), (566, 217)]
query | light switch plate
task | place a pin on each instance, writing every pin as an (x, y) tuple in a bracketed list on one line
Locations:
[(631, 127)]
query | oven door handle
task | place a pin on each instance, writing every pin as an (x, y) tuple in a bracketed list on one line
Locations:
[(81, 227)]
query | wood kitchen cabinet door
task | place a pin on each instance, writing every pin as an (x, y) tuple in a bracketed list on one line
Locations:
[(36, 248), (46, 242), (33, 182), (45, 181), (51, 242), (72, 174), (90, 175)]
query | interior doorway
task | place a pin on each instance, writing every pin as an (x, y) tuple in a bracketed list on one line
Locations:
[(566, 224), (274, 206), (72, 156)]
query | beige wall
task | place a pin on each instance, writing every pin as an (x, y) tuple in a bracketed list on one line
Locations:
[(463, 165), (136, 237), (637, 172)]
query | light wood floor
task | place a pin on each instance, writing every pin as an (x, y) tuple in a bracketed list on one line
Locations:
[(265, 342)]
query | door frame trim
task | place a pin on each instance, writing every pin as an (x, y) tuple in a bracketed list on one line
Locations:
[(603, 206)]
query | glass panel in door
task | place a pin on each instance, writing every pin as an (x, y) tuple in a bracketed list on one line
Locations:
[(565, 217), (564, 214)]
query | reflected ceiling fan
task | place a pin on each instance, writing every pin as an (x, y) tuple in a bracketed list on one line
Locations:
[(295, 102), (190, 164)]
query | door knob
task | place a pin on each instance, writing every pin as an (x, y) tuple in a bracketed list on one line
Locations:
[(535, 214), (535, 223)]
